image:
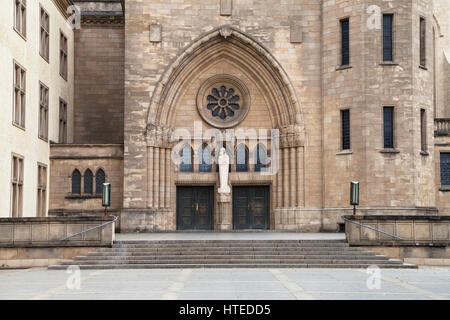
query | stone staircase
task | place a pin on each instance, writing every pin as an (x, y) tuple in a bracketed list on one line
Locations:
[(177, 254)]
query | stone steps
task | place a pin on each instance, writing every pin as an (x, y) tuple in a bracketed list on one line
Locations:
[(230, 254)]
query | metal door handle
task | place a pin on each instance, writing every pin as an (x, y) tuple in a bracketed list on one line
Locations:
[(196, 207)]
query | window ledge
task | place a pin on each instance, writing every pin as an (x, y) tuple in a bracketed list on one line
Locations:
[(83, 196), (343, 67), (20, 34), (344, 152), (389, 151), (423, 67), (18, 126), (424, 153), (444, 189), (388, 63)]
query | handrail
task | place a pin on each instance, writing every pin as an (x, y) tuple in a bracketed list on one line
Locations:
[(372, 228), (90, 229)]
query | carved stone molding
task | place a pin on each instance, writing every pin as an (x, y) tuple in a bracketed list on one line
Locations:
[(292, 136), (159, 136)]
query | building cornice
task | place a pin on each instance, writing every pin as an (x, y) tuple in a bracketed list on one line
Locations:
[(62, 6)]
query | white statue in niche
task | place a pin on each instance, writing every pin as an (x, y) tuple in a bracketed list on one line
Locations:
[(224, 165)]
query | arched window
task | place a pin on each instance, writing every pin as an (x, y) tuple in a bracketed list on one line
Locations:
[(88, 177), (76, 182), (205, 159), (242, 158), (261, 158), (99, 181), (186, 159)]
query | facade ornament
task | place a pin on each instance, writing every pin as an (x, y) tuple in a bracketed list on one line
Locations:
[(159, 136), (224, 165), (226, 31)]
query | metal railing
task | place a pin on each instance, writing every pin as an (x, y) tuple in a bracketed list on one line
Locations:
[(372, 228), (91, 229)]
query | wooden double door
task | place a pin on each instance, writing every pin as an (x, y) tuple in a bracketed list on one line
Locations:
[(195, 208), (251, 208)]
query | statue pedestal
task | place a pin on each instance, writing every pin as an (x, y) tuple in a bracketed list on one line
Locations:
[(225, 210)]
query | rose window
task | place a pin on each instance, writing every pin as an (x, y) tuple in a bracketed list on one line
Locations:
[(223, 102)]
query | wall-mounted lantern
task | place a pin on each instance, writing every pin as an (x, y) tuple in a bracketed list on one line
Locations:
[(106, 196), (354, 195)]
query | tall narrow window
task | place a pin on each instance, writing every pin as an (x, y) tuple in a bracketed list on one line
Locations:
[(99, 181), (76, 182), (20, 17), (205, 159), (345, 119), (242, 158), (63, 56), (19, 95), (423, 130), (44, 45), (16, 186), (423, 58), (88, 178), (186, 159), (43, 112), (62, 121), (388, 20), (445, 169), (261, 158), (345, 42), (388, 124), (42, 191)]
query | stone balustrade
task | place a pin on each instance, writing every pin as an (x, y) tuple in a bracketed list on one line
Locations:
[(442, 127), (415, 230), (48, 232)]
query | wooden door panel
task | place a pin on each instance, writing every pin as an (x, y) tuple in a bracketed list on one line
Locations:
[(251, 208)]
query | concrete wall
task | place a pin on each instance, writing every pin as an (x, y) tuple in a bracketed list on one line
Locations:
[(26, 52)]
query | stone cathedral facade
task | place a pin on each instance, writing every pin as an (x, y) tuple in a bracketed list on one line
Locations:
[(304, 95)]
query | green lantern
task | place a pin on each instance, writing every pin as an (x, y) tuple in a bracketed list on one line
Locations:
[(354, 193), (106, 197)]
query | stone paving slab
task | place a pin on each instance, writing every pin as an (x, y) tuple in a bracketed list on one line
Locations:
[(226, 284)]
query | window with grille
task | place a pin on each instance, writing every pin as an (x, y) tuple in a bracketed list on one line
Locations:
[(345, 42), (345, 119), (20, 17), (16, 186), (186, 159), (19, 95), (242, 158), (76, 182), (423, 60), (42, 191), (445, 169), (62, 121), (63, 56), (88, 182), (43, 112), (388, 124), (99, 181), (205, 159), (388, 20), (261, 158)]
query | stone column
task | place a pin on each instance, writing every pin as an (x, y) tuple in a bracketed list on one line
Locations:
[(168, 183), (162, 177), (156, 179), (292, 178), (150, 176), (225, 212), (286, 177)]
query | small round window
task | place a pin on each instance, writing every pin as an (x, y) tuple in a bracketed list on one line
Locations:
[(223, 101)]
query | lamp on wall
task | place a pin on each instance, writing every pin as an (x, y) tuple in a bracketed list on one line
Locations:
[(354, 195), (106, 197)]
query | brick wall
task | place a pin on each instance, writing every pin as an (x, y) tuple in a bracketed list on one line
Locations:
[(99, 84)]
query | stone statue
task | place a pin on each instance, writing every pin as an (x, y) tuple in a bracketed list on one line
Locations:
[(224, 165)]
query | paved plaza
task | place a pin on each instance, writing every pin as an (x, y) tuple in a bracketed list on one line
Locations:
[(226, 284)]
